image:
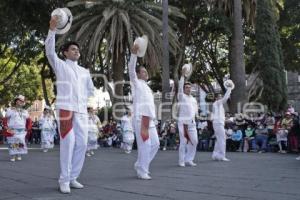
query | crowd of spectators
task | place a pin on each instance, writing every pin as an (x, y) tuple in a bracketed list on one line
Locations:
[(262, 132)]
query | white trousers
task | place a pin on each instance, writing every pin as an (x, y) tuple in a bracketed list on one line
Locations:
[(146, 149), (220, 144), (187, 150), (73, 148)]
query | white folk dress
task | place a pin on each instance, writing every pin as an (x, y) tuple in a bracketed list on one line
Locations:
[(17, 123), (127, 132), (93, 132), (48, 131)]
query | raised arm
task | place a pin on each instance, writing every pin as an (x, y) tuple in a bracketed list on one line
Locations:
[(132, 64), (226, 96), (50, 46), (181, 84), (180, 87)]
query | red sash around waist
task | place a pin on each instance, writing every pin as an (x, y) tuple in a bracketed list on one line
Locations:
[(65, 122)]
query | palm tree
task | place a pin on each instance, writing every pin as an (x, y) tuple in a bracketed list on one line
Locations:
[(234, 8), (109, 26), (166, 69)]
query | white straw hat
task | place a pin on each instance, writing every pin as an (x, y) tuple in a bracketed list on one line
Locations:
[(189, 69), (65, 19), (142, 42), (228, 84)]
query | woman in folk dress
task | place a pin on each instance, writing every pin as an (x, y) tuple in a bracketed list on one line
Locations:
[(48, 129), (127, 132), (94, 126), (16, 125)]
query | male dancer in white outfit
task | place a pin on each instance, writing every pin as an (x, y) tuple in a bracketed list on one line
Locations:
[(74, 86), (144, 115), (186, 123), (218, 125)]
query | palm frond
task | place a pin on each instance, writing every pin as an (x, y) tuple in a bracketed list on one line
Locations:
[(85, 26), (149, 30), (126, 20), (151, 18)]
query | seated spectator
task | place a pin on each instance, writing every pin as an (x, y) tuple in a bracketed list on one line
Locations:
[(287, 120), (237, 138), (234, 138), (249, 139), (228, 132), (229, 120), (240, 122), (261, 138), (110, 140), (204, 139), (250, 118), (281, 137), (201, 124)]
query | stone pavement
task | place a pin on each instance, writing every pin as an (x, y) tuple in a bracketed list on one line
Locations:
[(109, 175)]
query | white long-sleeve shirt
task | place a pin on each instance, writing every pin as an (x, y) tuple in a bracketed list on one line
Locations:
[(218, 115), (143, 100), (73, 82), (188, 107)]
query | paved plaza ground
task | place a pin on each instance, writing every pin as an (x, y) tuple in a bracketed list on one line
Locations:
[(109, 175)]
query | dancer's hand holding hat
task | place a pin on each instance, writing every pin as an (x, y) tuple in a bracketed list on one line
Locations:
[(61, 20), (142, 43), (134, 49), (53, 23)]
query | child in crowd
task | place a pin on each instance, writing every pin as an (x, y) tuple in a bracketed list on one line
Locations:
[(281, 136), (261, 138), (236, 138), (249, 139)]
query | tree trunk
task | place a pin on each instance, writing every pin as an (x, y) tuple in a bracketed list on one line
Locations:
[(44, 87), (118, 77), (236, 57), (166, 100)]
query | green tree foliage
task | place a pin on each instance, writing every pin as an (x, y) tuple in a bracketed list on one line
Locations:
[(24, 24), (25, 81), (269, 57), (204, 43), (290, 34)]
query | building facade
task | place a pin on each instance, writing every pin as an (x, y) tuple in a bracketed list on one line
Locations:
[(293, 89), (36, 110)]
